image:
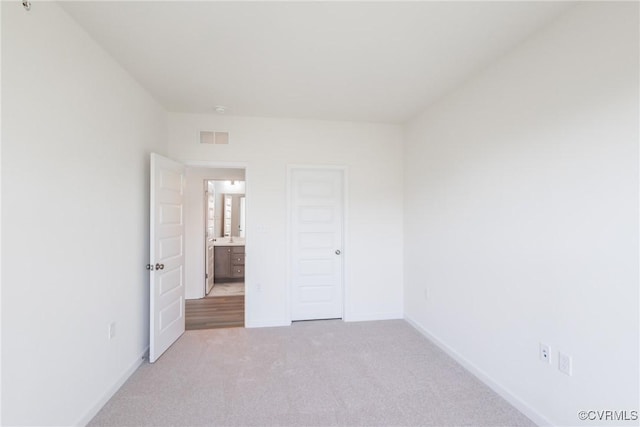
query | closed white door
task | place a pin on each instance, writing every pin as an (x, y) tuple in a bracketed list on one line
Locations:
[(166, 255), (316, 203)]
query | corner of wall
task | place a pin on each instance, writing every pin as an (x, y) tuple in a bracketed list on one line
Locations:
[(485, 378)]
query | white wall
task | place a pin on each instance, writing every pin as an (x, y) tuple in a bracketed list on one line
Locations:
[(373, 155), (521, 217), (76, 135), (1, 382), (194, 223)]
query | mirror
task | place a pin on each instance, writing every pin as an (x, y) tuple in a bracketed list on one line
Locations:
[(232, 215), (226, 208)]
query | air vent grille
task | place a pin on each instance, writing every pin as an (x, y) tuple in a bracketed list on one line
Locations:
[(222, 137), (214, 137)]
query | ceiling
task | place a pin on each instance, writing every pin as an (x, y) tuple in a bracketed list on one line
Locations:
[(356, 61)]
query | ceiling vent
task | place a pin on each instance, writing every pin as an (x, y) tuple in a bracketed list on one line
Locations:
[(214, 137)]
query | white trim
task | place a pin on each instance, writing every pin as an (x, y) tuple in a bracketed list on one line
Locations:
[(345, 227), (506, 394), (215, 165), (287, 250), (1, 329), (97, 406), (205, 225), (368, 317), (346, 295), (268, 323)]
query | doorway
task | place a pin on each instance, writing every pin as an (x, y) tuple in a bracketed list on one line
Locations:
[(225, 227), (216, 297)]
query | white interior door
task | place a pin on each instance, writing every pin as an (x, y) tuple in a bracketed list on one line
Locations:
[(166, 254), (316, 203)]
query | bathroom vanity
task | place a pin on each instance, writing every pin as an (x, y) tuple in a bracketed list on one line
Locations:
[(229, 263)]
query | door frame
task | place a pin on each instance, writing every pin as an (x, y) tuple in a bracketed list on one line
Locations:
[(205, 206), (346, 316), (233, 165)]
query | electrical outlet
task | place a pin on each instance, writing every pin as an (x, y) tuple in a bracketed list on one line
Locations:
[(565, 363), (112, 330), (545, 353)]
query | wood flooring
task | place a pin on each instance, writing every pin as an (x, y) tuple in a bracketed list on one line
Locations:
[(214, 312)]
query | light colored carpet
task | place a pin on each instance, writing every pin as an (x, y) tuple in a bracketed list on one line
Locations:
[(226, 289), (322, 373)]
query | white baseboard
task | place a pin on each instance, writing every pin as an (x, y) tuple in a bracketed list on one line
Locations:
[(267, 323), (507, 395), (368, 317), (88, 416), (271, 323), (357, 318)]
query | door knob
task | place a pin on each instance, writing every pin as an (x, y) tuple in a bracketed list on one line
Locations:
[(338, 252), (159, 266)]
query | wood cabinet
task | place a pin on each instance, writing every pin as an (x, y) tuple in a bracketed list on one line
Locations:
[(229, 264)]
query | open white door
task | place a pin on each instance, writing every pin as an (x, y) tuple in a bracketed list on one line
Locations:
[(166, 255)]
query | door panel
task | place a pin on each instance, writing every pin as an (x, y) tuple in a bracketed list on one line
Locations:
[(170, 280), (166, 254), (316, 245)]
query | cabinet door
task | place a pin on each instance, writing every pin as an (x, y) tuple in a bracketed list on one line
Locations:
[(237, 257), (222, 262), (237, 271)]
